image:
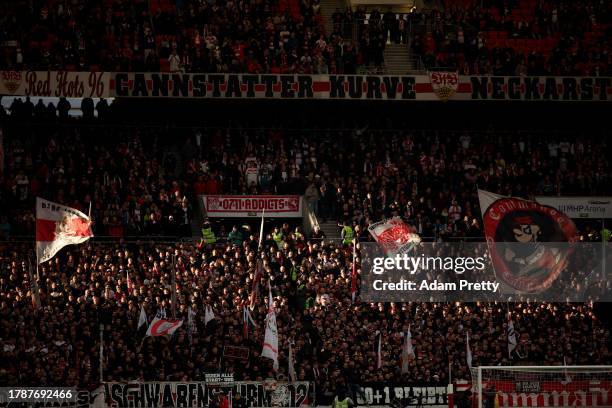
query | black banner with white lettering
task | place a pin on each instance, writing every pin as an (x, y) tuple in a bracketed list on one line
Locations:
[(200, 394), (416, 395)]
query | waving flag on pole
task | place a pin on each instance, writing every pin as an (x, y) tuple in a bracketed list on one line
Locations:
[(258, 265), (468, 351), (246, 319), (292, 375), (163, 327), (379, 353), (142, 319), (57, 226), (354, 273), (407, 351), (526, 241), (208, 314), (191, 325), (511, 335), (394, 236), (130, 284), (270, 346)]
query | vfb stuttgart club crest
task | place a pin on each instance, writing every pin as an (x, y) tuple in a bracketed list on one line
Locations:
[(444, 84), (528, 243), (11, 80)]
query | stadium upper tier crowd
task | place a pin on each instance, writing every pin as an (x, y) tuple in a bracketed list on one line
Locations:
[(519, 37), (278, 36), (515, 37)]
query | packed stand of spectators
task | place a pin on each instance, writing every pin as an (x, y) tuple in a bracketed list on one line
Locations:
[(130, 177), (272, 36), (140, 179), (519, 37), (334, 341), (144, 180)]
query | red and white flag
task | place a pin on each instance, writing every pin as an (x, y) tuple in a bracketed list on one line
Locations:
[(394, 236), (163, 327), (57, 226), (270, 346)]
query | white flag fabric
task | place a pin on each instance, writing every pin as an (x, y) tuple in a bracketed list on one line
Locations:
[(511, 336), (407, 351), (292, 375), (379, 354), (468, 351), (208, 314), (142, 320), (58, 225), (246, 319), (568, 379), (191, 326), (130, 284), (394, 236), (270, 346), (261, 229), (163, 327)]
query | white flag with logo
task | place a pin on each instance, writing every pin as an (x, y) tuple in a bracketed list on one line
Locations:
[(394, 236), (163, 327), (270, 346), (58, 225)]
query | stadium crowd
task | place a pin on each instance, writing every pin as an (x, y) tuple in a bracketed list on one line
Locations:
[(143, 181), (526, 37), (334, 341), (285, 36)]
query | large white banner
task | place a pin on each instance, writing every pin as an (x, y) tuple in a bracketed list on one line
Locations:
[(580, 207), (288, 206), (433, 86)]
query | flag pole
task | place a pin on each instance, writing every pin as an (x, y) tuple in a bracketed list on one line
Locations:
[(173, 287), (261, 229), (101, 353), (34, 286)]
